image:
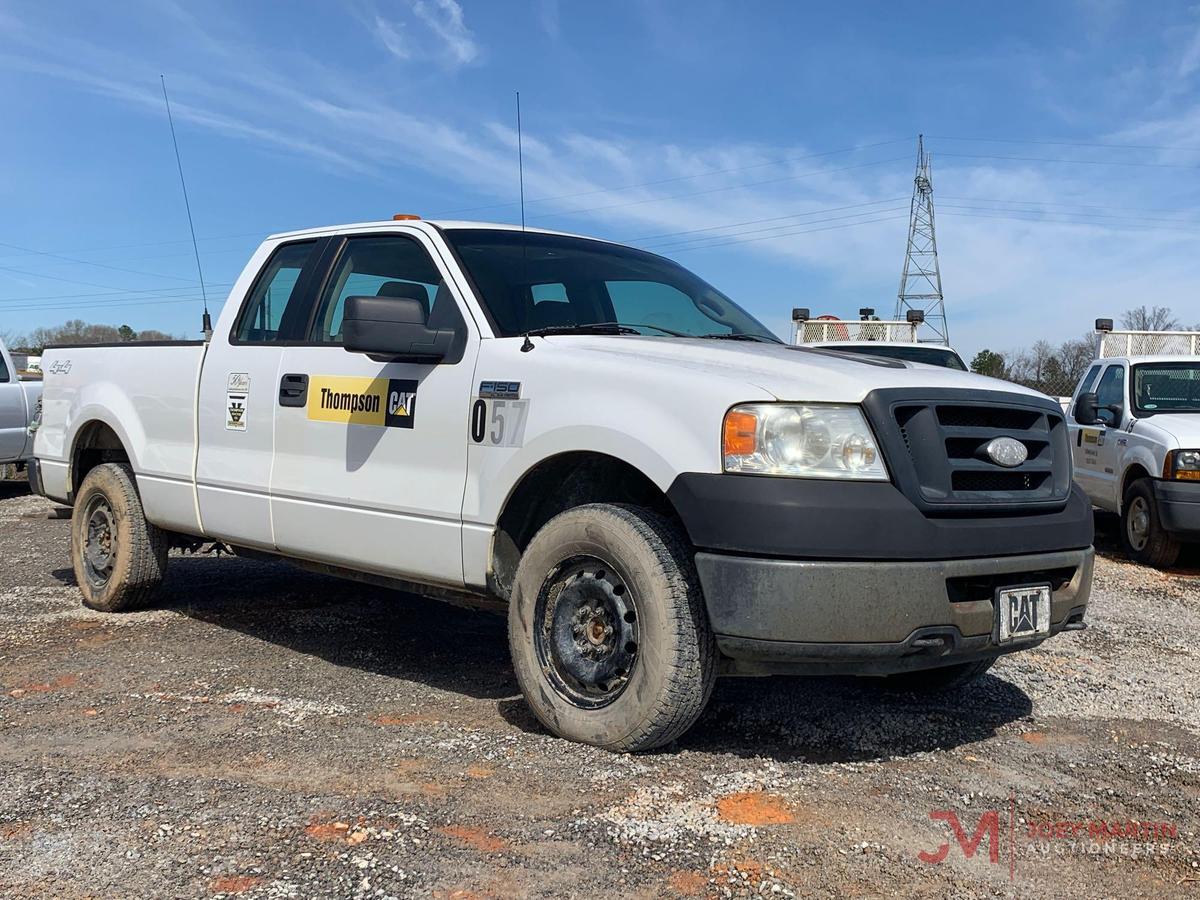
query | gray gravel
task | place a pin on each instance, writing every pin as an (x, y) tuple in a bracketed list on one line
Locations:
[(270, 733)]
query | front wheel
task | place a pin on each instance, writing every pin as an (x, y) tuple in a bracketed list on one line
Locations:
[(119, 558), (1141, 530), (609, 638)]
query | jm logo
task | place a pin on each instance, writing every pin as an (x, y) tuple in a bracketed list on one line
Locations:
[(989, 827)]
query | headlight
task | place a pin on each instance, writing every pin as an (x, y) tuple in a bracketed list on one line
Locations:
[(801, 441), (1182, 465)]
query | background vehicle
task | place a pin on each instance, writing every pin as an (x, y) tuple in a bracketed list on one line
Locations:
[(873, 337), (18, 406), (1135, 436), (655, 486)]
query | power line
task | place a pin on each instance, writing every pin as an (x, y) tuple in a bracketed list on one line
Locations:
[(116, 294), (1065, 144), (775, 237), (117, 303), (670, 246), (812, 212), (733, 187), (85, 262), (1074, 162), (656, 182)]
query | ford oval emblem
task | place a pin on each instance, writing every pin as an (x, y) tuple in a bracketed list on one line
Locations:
[(1006, 451)]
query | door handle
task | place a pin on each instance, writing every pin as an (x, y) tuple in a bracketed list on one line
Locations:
[(293, 390)]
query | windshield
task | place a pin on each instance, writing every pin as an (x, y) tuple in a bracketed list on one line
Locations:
[(1166, 387), (530, 281), (930, 356)]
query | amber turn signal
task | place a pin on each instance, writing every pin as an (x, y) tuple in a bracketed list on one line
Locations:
[(740, 433)]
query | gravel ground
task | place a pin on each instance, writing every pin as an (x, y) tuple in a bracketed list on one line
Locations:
[(270, 733)]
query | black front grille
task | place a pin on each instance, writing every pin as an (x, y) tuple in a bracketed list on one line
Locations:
[(936, 442)]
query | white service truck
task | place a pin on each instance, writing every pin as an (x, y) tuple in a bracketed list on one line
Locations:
[(657, 488), (18, 410), (894, 339), (1135, 435)]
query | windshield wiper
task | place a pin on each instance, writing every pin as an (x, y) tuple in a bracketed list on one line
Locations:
[(593, 328), (757, 338)]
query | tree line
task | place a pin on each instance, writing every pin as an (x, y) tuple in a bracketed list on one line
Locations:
[(77, 331), (1056, 369)]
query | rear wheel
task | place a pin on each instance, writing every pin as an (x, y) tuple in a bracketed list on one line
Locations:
[(119, 558), (1141, 530), (943, 678), (609, 638)]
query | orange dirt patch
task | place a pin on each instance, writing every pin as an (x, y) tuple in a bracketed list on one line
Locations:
[(61, 683), (476, 838), (233, 884), (754, 808), (1034, 737), (327, 831), (480, 771), (14, 830), (688, 884)]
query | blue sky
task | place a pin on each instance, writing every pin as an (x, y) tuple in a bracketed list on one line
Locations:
[(768, 146)]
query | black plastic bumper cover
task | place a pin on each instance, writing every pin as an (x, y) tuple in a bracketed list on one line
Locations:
[(794, 518), (1179, 507)]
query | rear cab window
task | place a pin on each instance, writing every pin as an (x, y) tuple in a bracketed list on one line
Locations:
[(275, 309)]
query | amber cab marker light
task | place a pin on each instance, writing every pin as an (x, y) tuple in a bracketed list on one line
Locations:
[(405, 217), (740, 433)]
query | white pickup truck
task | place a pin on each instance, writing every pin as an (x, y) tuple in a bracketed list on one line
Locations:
[(18, 408), (656, 487), (1135, 435)]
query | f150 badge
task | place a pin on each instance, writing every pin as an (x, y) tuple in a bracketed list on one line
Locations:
[(382, 402)]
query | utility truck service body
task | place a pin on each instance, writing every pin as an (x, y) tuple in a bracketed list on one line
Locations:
[(656, 487), (1135, 435)]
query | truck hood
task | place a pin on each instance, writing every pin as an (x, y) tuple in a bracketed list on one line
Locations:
[(786, 372), (1183, 427)]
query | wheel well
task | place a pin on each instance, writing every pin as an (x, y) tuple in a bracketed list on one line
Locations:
[(1132, 474), (556, 485), (97, 443)]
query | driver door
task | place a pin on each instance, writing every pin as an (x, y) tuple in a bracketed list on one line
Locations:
[(370, 455), (1096, 471)]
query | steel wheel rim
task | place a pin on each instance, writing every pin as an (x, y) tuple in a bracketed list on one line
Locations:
[(586, 631), (100, 541), (1137, 526)]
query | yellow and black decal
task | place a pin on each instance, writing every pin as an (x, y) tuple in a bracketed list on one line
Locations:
[(382, 402)]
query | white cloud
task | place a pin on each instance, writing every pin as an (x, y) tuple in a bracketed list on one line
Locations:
[(392, 36), (445, 19)]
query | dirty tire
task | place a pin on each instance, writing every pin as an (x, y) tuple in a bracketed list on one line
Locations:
[(138, 558), (943, 678), (1157, 548), (670, 679)]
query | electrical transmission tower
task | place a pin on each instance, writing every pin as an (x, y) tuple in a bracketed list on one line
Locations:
[(921, 281)]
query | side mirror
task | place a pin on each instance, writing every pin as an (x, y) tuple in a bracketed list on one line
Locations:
[(1085, 409), (393, 328)]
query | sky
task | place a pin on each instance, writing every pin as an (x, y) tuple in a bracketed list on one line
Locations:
[(767, 146)]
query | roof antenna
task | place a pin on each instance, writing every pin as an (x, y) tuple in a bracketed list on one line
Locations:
[(206, 321), (528, 345)]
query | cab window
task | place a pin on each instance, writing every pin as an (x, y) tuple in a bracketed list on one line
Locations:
[(1110, 392), (3, 371), (377, 266), (275, 310)]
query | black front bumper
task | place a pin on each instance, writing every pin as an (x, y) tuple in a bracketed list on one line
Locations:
[(851, 578), (1178, 505)]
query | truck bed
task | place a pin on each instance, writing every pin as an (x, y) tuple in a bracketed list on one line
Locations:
[(135, 389)]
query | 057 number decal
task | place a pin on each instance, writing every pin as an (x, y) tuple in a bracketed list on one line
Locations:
[(499, 423)]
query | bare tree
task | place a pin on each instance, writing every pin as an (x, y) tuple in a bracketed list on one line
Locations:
[(1156, 318)]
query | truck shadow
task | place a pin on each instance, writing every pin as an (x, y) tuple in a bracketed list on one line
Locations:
[(13, 488), (420, 640)]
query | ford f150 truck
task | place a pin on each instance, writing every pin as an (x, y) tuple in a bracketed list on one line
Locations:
[(657, 488), (1135, 434), (18, 408)]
